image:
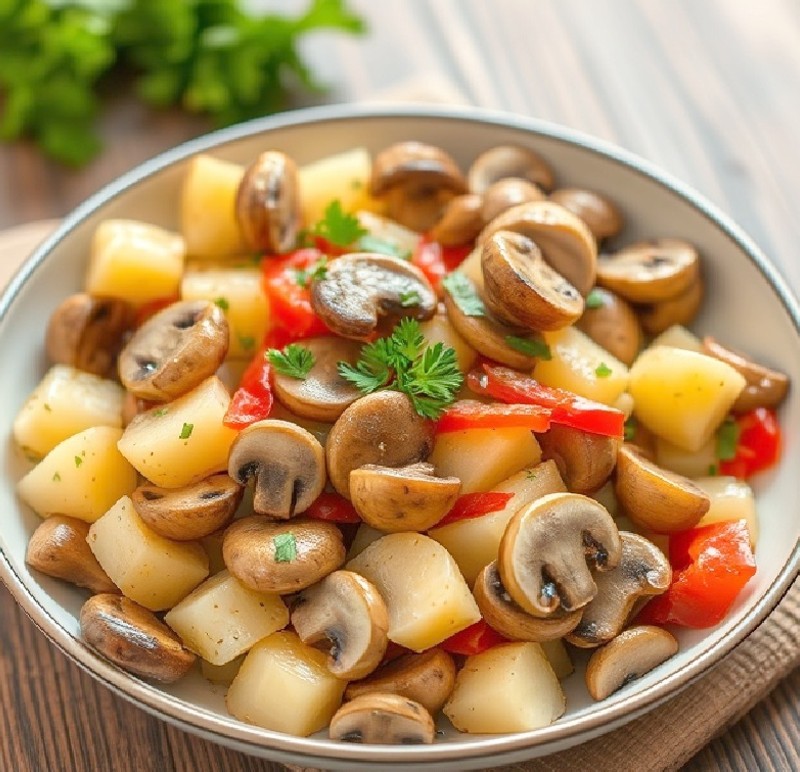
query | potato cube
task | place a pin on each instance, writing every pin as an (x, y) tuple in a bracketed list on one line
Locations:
[(731, 499), (439, 330), (678, 336), (558, 657), (221, 674), (688, 463)]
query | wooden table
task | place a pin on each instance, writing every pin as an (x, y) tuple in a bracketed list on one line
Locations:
[(708, 90)]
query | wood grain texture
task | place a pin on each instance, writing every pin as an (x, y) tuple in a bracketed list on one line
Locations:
[(705, 89)]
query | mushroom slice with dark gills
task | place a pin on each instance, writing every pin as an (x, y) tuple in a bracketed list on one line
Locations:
[(347, 611), (382, 719), (286, 462), (503, 161), (175, 350)]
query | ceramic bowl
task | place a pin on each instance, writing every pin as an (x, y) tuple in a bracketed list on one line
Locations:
[(747, 306)]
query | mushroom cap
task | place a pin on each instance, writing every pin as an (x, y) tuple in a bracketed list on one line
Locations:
[(600, 214), (521, 289), (461, 221), (681, 309), (382, 719), (361, 290), (544, 549), (502, 161), (613, 324), (381, 428), (287, 463), (417, 163), (643, 570), (349, 612), (630, 655), (175, 350), (268, 203), (251, 549), (506, 193)]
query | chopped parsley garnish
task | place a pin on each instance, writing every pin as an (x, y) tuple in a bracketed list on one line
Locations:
[(338, 227), (315, 272), (162, 411), (222, 303), (602, 370), (629, 432), (595, 299), (285, 547), (247, 342), (532, 347), (78, 461), (464, 294), (410, 298), (56, 477), (295, 360), (186, 431), (370, 243), (727, 439), (531, 474), (48, 408), (713, 471)]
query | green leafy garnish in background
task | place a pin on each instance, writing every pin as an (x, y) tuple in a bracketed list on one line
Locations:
[(206, 56)]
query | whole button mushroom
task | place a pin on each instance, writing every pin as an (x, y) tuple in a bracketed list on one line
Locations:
[(268, 203), (175, 350), (362, 290), (286, 462), (382, 719), (598, 212), (461, 221), (612, 323), (507, 193), (509, 161)]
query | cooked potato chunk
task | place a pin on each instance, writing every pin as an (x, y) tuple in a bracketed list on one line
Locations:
[(689, 464), (678, 336), (731, 499), (221, 674), (558, 657), (439, 330)]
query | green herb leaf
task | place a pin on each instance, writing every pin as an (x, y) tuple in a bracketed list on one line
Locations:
[(410, 298), (162, 411), (338, 227), (314, 272), (595, 299), (629, 432), (602, 370), (48, 408), (370, 243), (247, 342), (222, 303), (713, 470), (285, 546), (56, 477), (532, 347), (295, 360), (186, 431), (727, 439), (464, 294), (78, 461)]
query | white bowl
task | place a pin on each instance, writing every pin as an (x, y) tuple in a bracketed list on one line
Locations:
[(747, 306)]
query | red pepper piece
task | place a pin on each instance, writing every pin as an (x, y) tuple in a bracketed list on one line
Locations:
[(472, 505)]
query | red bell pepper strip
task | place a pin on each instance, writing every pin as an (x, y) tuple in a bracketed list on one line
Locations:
[(473, 639), (436, 260), (471, 414), (566, 408), (759, 444), (471, 505), (252, 401), (333, 508)]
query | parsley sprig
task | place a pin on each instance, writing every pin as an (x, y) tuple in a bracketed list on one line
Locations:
[(337, 226), (315, 272), (405, 362), (295, 360)]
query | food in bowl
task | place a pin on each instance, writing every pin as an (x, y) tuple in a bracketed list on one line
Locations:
[(460, 397)]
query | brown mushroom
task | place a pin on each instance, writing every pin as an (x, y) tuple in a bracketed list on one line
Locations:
[(58, 548), (585, 460), (649, 272), (765, 387), (268, 203), (132, 406), (503, 161), (627, 657), (598, 212), (567, 245), (382, 719), (510, 619), (643, 571), (362, 290), (521, 289), (381, 428), (281, 557), (410, 498), (545, 547), (347, 611), (680, 309), (656, 498), (461, 221), (175, 350), (191, 512), (286, 462), (427, 678), (612, 323), (416, 181), (133, 638), (506, 193), (88, 333)]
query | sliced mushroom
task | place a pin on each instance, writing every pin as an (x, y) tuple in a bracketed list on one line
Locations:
[(585, 460), (427, 678), (133, 638), (411, 498), (765, 387), (656, 498), (507, 193), (612, 323), (175, 350), (191, 512), (88, 333), (461, 221), (510, 619), (680, 309), (382, 719), (58, 548), (323, 394), (521, 289), (649, 272), (643, 570), (566, 243), (287, 463), (362, 290), (417, 181), (627, 657), (599, 213), (268, 203), (348, 612), (382, 428), (279, 557), (508, 161), (544, 549)]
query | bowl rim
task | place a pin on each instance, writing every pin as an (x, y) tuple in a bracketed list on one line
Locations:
[(258, 741)]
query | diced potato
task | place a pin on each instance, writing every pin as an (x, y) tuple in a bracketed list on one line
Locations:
[(558, 657), (509, 688), (365, 535), (474, 543), (439, 330), (155, 572), (183, 441), (678, 336), (221, 619), (221, 674), (426, 596), (481, 458), (285, 686), (66, 402), (403, 239), (682, 396), (688, 463), (238, 291), (208, 208), (579, 365), (134, 261), (80, 477), (731, 499)]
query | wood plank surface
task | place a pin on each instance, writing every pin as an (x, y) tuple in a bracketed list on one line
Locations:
[(708, 89)]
